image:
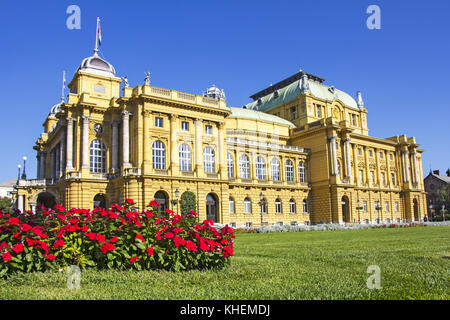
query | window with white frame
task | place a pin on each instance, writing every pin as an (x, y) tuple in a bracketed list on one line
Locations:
[(185, 157), (361, 176), (396, 206), (386, 206), (97, 157), (278, 207), (301, 172), (275, 169), (159, 155), (260, 168), (208, 129), (158, 122), (292, 206), (208, 160), (231, 204), (383, 178), (247, 205), (244, 166), (393, 178), (305, 206), (289, 169), (364, 206), (184, 126), (230, 165)]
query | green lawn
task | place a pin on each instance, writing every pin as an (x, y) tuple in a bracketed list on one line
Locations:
[(414, 264)]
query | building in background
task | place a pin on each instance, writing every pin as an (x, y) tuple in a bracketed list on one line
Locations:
[(7, 188), (299, 153), (433, 183)]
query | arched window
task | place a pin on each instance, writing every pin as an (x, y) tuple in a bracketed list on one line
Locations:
[(244, 165), (159, 155), (185, 157), (289, 169), (247, 205), (338, 172), (305, 206), (231, 204), (301, 172), (292, 206), (208, 160), (260, 168), (278, 208), (230, 165), (275, 169), (97, 157)]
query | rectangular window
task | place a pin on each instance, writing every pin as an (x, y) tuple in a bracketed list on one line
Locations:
[(293, 113), (158, 122), (361, 177), (370, 153), (391, 157), (396, 206), (383, 178), (319, 111), (386, 206), (231, 205), (365, 206), (208, 129), (277, 206), (184, 125), (381, 155), (359, 151), (372, 177), (393, 178)]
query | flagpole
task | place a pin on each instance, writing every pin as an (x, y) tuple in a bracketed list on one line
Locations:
[(96, 37), (63, 86)]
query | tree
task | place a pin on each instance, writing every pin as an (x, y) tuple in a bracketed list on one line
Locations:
[(188, 202), (443, 199), (6, 204)]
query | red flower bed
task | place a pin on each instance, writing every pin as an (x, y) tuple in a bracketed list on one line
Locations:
[(116, 238)]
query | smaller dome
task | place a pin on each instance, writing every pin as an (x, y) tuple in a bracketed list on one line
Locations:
[(98, 66), (215, 93), (55, 109)]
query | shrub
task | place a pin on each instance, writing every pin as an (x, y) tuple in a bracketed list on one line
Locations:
[(117, 238)]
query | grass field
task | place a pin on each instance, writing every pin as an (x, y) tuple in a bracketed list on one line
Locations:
[(414, 263)]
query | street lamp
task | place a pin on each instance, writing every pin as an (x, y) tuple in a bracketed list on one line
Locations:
[(177, 194), (24, 175), (261, 196), (18, 173), (359, 207)]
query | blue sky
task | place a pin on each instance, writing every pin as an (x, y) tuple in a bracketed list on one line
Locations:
[(241, 46)]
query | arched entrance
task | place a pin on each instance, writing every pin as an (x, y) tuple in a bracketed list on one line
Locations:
[(345, 209), (99, 201), (211, 207), (163, 199), (46, 199), (416, 210)]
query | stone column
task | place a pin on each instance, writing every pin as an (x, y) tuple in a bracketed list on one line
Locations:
[(126, 139), (173, 144), (42, 164), (115, 145), (405, 166), (62, 151), (198, 146), (38, 167), (69, 144), (52, 164), (347, 157), (414, 163), (333, 155), (85, 142), (222, 153)]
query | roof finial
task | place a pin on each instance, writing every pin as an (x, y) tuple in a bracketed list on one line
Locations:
[(63, 86), (359, 100), (304, 84)]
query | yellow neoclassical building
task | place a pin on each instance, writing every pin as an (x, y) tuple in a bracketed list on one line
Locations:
[(299, 153)]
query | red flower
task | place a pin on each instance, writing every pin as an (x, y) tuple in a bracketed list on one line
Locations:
[(100, 238), (25, 227), (6, 256), (4, 245), (168, 235), (18, 248), (91, 235), (210, 222), (158, 236), (203, 245), (150, 251), (191, 246), (129, 201), (107, 247), (51, 257), (138, 236), (59, 243), (114, 239), (133, 259), (177, 230), (17, 235), (154, 203)]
